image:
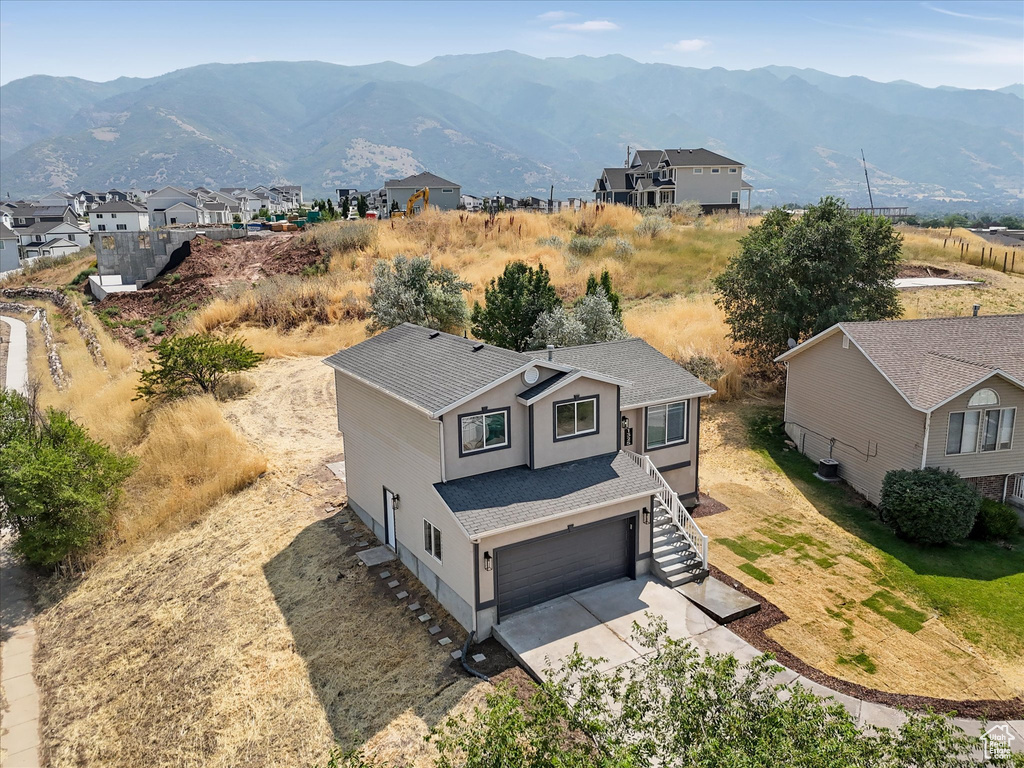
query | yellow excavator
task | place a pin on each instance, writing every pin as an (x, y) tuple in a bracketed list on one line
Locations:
[(422, 194)]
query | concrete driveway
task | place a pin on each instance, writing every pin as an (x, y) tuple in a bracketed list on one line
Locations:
[(600, 620)]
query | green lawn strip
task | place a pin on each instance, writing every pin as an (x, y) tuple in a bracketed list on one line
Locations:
[(861, 660), (887, 605), (978, 587), (752, 570)]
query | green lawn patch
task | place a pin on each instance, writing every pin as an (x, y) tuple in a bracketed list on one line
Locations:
[(977, 587), (888, 606), (861, 660), (752, 570)]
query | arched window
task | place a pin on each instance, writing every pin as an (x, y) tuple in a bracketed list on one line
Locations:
[(983, 397)]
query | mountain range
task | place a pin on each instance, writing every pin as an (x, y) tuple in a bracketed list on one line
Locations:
[(510, 123)]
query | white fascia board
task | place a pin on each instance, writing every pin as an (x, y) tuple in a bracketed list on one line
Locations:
[(675, 399), (644, 495), (982, 380), (488, 386)]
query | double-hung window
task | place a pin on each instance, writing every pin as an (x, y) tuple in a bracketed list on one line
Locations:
[(734, 198), (575, 418), (484, 431), (982, 430), (666, 424), (432, 540)]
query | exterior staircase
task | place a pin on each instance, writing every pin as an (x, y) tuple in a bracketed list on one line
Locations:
[(675, 560), (680, 553)]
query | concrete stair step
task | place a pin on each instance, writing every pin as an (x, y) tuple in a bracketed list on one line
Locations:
[(680, 566), (665, 559), (675, 539), (678, 579), (661, 553)]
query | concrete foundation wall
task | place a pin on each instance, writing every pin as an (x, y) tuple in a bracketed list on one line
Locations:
[(138, 257)]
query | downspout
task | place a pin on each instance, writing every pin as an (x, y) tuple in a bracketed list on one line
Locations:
[(440, 442), (1006, 484), (927, 429)]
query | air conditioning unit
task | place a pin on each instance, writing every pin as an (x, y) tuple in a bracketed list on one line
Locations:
[(828, 470)]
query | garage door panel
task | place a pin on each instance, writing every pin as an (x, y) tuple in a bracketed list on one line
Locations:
[(537, 571)]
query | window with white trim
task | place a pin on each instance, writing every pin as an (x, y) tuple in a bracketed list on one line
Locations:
[(432, 540), (122, 226), (666, 424), (734, 198), (447, 191), (716, 170), (101, 227), (733, 170), (484, 431), (98, 215), (575, 418), (698, 170), (982, 431)]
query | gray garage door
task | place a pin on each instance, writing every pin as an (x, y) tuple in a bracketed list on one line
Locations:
[(536, 571)]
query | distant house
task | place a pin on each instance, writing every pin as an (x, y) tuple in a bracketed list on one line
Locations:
[(56, 247), (444, 194), (290, 194), (471, 202), (657, 177), (343, 193), (910, 394), (43, 233), (58, 199), (25, 214), (119, 217), (9, 258)]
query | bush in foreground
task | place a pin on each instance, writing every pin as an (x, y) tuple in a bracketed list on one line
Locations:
[(930, 506), (57, 485), (415, 291), (188, 365), (995, 522)]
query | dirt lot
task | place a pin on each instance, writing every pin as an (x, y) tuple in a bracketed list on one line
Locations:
[(210, 267), (825, 579), (255, 637)]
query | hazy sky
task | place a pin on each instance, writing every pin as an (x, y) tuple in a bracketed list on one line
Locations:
[(978, 44)]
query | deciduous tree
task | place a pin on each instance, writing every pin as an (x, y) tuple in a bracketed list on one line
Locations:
[(187, 365)]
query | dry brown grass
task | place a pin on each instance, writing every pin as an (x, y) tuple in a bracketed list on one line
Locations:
[(820, 583), (253, 637), (926, 245)]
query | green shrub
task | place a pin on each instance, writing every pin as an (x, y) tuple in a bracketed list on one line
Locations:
[(552, 242), (140, 333), (82, 276), (58, 485), (623, 248), (581, 245), (930, 506), (186, 365), (996, 522), (158, 327)]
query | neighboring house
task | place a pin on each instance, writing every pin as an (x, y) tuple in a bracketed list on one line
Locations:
[(44, 232), (674, 176), (56, 247), (444, 194), (58, 199), (160, 203), (290, 194), (910, 394), (9, 258), (504, 480), (471, 202), (346, 192), (119, 217), (26, 214)]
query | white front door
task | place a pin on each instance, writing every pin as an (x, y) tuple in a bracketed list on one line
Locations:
[(389, 518)]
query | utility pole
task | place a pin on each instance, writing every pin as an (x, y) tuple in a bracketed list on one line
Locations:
[(626, 164), (866, 179)]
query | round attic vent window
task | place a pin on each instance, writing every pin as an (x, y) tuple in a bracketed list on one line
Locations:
[(530, 375)]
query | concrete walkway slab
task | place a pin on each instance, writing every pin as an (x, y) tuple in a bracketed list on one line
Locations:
[(19, 722), (376, 556), (720, 601), (623, 602), (930, 282), (541, 636), (17, 356)]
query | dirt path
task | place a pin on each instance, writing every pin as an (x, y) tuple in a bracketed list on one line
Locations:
[(19, 696)]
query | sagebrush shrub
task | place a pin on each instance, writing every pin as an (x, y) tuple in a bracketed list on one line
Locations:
[(582, 245), (652, 226)]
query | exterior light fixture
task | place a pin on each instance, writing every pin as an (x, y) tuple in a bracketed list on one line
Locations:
[(487, 561), (647, 516), (625, 422), (395, 501)]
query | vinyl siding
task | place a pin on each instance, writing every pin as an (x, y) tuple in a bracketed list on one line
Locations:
[(990, 462), (389, 444), (837, 393), (707, 187)]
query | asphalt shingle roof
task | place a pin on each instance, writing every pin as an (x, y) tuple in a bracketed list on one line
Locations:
[(119, 206), (687, 157), (542, 386), (655, 377), (933, 359), (518, 495), (431, 373), (420, 180), (6, 233)]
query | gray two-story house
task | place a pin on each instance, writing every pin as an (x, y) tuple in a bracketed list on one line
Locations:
[(444, 195), (661, 177), (909, 394), (504, 480)]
